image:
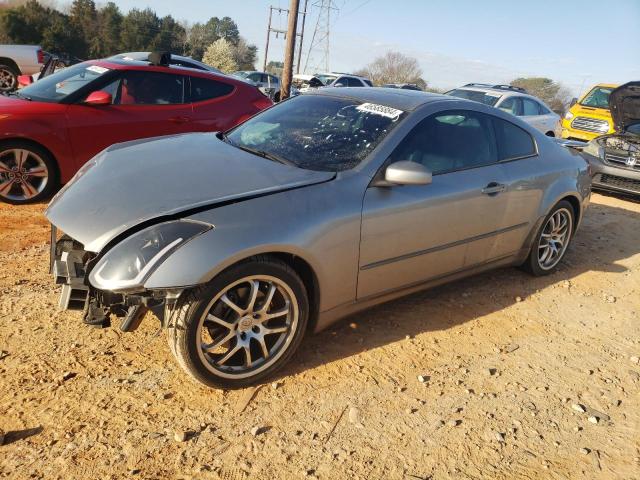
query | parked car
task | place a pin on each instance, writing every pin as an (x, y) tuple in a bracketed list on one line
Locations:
[(403, 86), (267, 83), (304, 83), (589, 117), (615, 157), (51, 128), (16, 60), (343, 80), (175, 60), (318, 207), (52, 64), (512, 100)]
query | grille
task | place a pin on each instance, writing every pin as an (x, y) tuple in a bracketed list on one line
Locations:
[(621, 161), (618, 182), (590, 124)]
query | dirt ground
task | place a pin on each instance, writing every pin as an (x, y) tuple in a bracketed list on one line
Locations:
[(507, 364)]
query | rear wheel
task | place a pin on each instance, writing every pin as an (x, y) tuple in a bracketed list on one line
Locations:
[(27, 173), (243, 326), (552, 240), (8, 78)]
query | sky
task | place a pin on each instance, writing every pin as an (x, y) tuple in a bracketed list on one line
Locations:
[(575, 42)]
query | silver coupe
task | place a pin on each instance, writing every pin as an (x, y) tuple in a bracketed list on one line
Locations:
[(328, 203)]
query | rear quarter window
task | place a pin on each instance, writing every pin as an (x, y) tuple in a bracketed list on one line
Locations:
[(513, 141), (206, 89)]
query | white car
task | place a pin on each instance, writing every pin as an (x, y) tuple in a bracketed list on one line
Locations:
[(335, 79), (16, 60), (513, 100)]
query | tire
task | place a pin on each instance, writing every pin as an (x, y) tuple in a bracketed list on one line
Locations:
[(28, 173), (542, 260), (8, 78), (236, 356)]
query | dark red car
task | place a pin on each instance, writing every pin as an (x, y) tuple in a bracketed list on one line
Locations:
[(51, 128)]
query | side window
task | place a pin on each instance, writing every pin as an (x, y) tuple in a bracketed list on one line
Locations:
[(206, 89), (543, 110), (513, 141), (151, 88), (449, 141), (254, 77), (529, 107), (354, 82), (511, 105), (368, 82)]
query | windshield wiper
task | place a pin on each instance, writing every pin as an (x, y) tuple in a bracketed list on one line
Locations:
[(260, 153)]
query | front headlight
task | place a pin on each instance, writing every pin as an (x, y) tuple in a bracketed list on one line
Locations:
[(127, 265), (568, 116), (593, 148)]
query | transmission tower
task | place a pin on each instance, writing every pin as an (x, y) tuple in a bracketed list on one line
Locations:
[(319, 48)]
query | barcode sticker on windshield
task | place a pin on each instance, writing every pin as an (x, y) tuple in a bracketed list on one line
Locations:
[(97, 69), (379, 110)]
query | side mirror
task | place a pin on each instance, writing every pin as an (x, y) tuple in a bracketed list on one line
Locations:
[(574, 100), (407, 173), (99, 98), (339, 84), (25, 80)]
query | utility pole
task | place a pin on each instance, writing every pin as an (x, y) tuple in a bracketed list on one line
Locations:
[(304, 17), (292, 28)]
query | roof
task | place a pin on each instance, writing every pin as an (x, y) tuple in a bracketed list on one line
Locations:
[(406, 100)]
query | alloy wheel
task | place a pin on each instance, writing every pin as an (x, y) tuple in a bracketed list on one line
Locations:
[(554, 238), (7, 80), (23, 174), (247, 326)]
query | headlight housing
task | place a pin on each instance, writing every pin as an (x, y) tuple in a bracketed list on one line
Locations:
[(568, 116), (594, 149), (128, 265)]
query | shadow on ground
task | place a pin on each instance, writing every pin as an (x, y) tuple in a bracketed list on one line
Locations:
[(596, 247)]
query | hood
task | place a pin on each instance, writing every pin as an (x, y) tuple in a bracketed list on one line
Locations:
[(12, 104), (624, 103), (140, 181)]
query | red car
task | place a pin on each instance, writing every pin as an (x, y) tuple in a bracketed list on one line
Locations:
[(51, 128)]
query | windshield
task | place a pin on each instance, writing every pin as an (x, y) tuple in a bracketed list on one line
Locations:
[(597, 98), (59, 85), (317, 132), (241, 74), (488, 98)]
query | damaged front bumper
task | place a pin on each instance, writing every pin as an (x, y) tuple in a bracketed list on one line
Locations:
[(70, 266)]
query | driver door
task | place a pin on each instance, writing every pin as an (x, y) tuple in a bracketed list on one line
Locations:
[(145, 104), (415, 233)]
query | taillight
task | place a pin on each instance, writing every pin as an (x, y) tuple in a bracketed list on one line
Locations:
[(40, 56)]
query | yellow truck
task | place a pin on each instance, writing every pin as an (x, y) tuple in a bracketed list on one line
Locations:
[(589, 117)]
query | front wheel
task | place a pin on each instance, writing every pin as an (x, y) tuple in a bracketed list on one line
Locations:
[(552, 240), (241, 327), (27, 173)]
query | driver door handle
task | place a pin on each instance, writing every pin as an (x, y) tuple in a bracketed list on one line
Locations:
[(494, 188)]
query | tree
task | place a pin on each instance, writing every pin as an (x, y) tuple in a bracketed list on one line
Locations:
[(394, 67), (554, 94), (275, 67), (84, 19), (200, 36), (245, 55), (139, 29), (110, 25), (220, 55), (171, 36)]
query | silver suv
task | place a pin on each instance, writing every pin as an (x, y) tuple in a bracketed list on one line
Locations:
[(512, 100)]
